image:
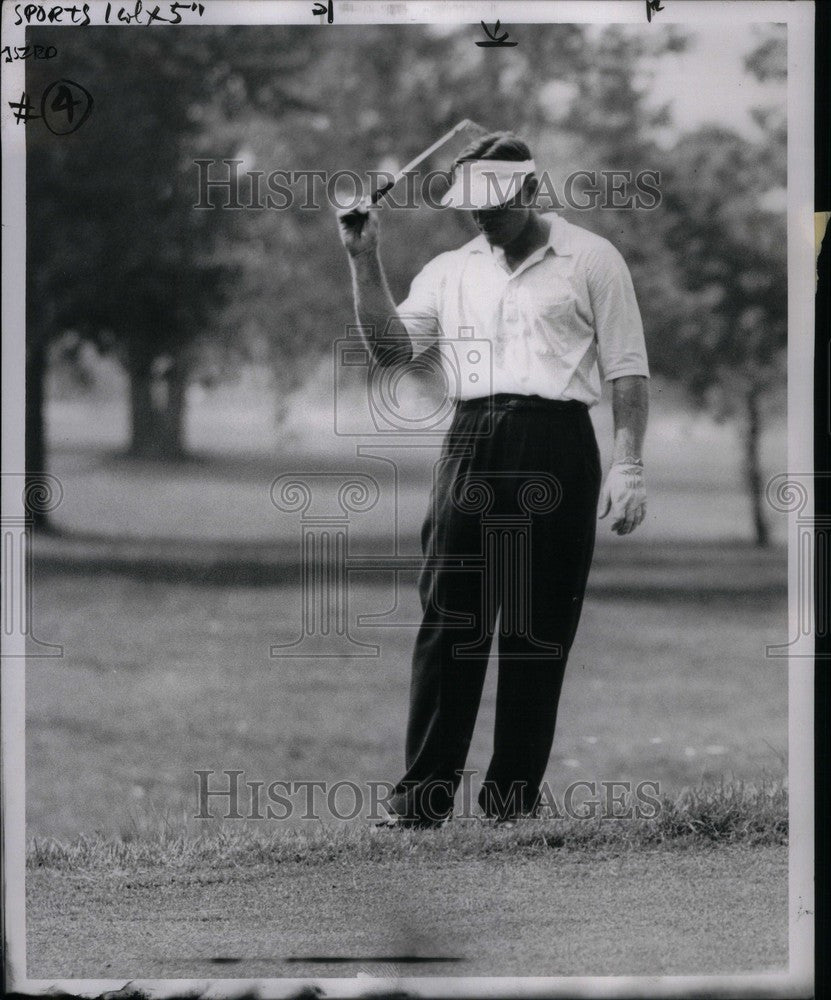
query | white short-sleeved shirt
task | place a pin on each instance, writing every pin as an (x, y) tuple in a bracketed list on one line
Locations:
[(567, 315)]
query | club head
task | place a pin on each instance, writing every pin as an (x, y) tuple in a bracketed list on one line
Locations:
[(473, 126)]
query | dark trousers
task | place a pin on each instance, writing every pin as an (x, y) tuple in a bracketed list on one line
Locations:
[(510, 531)]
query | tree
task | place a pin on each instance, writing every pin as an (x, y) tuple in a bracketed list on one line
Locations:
[(387, 95), (118, 254), (162, 284), (724, 328), (116, 250)]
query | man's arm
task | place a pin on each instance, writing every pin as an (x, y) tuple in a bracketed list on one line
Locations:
[(624, 491), (623, 362), (630, 409), (384, 334)]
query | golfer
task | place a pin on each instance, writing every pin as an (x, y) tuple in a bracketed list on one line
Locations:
[(510, 531)]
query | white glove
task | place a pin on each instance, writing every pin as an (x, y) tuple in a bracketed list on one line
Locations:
[(624, 494)]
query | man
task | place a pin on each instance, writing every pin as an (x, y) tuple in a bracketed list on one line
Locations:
[(511, 525)]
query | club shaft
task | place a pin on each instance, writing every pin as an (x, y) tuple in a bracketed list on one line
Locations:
[(381, 191)]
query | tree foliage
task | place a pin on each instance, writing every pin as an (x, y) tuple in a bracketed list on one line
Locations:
[(116, 250), (118, 254)]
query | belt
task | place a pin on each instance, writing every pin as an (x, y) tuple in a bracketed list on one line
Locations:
[(519, 401)]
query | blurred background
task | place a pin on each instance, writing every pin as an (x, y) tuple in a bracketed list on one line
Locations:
[(179, 360)]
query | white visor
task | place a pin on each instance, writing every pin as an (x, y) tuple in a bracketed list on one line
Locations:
[(479, 184)]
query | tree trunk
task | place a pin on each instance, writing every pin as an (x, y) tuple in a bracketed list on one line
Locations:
[(173, 415), (36, 355), (141, 407), (157, 411), (751, 434)]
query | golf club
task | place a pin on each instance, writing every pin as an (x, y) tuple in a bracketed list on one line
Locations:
[(356, 218)]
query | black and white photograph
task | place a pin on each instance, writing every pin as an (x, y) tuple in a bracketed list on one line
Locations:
[(408, 569)]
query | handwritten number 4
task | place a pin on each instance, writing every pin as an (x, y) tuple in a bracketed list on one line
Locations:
[(63, 101)]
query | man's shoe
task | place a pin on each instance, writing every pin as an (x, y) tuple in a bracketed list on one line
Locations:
[(509, 822), (396, 822)]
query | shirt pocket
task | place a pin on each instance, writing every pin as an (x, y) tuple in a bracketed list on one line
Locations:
[(554, 326)]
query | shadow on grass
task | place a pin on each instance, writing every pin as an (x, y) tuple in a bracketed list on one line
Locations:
[(642, 569)]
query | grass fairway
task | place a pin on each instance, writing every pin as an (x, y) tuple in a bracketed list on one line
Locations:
[(158, 681), (161, 676), (417, 909)]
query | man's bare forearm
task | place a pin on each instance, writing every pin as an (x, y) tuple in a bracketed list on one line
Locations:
[(384, 334), (630, 408)]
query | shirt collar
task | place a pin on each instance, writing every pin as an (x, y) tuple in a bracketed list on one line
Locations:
[(558, 238)]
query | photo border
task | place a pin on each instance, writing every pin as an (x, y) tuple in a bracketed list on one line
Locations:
[(799, 17)]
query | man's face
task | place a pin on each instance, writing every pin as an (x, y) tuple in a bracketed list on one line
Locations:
[(502, 225)]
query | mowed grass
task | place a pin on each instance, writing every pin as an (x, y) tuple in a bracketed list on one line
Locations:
[(158, 681), (648, 912), (710, 815)]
